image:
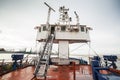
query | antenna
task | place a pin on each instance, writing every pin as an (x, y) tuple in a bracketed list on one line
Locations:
[(77, 17), (49, 6), (64, 17), (76, 14)]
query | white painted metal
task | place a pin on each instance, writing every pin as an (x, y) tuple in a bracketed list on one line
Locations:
[(42, 35), (63, 49), (63, 61), (64, 32), (77, 17), (72, 35), (65, 35)]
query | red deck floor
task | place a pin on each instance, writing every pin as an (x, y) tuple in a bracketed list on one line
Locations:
[(83, 72), (21, 74)]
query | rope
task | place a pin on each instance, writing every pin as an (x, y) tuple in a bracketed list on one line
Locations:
[(92, 49), (77, 48)]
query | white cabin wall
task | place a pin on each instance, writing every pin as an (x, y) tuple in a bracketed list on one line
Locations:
[(72, 35), (42, 35), (65, 35), (63, 49)]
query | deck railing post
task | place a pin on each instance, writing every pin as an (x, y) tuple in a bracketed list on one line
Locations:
[(74, 68)]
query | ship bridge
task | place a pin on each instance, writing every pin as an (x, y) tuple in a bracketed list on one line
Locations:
[(62, 33), (71, 33)]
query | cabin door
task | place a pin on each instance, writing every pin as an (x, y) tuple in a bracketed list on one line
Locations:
[(52, 30)]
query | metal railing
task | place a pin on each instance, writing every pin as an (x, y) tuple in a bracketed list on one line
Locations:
[(44, 58)]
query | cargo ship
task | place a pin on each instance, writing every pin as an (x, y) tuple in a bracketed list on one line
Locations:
[(43, 66)]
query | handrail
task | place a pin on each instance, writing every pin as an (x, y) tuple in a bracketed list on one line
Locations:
[(46, 52)]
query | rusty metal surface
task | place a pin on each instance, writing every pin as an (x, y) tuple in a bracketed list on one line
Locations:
[(21, 74), (82, 72)]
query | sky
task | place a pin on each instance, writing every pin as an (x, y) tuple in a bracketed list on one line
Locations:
[(19, 17)]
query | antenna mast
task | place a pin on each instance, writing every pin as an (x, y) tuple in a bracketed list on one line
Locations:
[(64, 15), (77, 17), (48, 17)]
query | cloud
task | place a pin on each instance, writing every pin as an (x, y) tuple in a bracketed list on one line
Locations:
[(0, 31)]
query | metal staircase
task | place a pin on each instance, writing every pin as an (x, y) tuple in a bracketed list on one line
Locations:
[(44, 58)]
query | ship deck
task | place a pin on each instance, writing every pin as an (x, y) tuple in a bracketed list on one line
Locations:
[(66, 72)]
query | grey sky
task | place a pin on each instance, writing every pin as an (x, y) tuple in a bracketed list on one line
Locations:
[(19, 17)]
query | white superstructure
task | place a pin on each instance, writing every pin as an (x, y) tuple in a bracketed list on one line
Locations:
[(64, 32)]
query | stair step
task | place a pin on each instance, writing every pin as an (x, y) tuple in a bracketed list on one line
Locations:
[(43, 62), (42, 65), (41, 71)]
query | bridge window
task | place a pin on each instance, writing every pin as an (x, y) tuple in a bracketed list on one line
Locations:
[(39, 29), (86, 30), (52, 29), (44, 28), (82, 29), (63, 28)]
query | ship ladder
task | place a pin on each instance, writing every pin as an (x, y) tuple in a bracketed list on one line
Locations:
[(44, 58)]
